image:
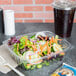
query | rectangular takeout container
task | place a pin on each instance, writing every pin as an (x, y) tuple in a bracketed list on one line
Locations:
[(52, 57)]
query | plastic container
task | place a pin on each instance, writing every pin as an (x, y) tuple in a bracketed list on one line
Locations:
[(46, 59)]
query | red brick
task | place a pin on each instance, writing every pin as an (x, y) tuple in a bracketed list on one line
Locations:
[(22, 1), (49, 21), (48, 8), (20, 21), (33, 21), (44, 15), (33, 8), (74, 20), (3, 2), (15, 8), (23, 15), (43, 1)]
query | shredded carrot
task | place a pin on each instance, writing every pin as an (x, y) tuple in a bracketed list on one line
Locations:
[(57, 48), (35, 62), (17, 46), (44, 46), (48, 48), (38, 61), (34, 48), (29, 64), (55, 40), (30, 57), (38, 53), (26, 42), (59, 39), (52, 39), (46, 42), (62, 53), (41, 37), (41, 50), (57, 52), (46, 38), (50, 42)]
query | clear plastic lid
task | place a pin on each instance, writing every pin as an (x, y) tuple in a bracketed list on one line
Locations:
[(64, 4), (65, 44)]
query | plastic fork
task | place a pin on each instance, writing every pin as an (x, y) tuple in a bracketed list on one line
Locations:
[(3, 62)]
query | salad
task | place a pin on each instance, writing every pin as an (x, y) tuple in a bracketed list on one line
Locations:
[(37, 50)]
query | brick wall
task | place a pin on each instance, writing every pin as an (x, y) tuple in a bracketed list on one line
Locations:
[(30, 10)]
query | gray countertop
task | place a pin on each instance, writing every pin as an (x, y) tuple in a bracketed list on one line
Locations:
[(23, 28)]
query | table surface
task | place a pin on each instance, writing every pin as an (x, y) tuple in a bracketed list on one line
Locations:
[(23, 28)]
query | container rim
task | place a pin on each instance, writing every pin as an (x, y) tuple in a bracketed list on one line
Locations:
[(58, 7), (5, 42)]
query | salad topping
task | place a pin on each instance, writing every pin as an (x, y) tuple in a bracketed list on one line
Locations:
[(37, 46)]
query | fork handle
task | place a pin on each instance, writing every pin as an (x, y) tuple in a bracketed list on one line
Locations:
[(15, 70)]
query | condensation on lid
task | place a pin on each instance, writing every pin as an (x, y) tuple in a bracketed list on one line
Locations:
[(64, 5)]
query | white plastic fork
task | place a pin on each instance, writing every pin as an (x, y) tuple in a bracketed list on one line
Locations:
[(3, 62)]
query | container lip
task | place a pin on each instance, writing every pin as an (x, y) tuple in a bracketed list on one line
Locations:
[(54, 5), (19, 57), (6, 11)]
